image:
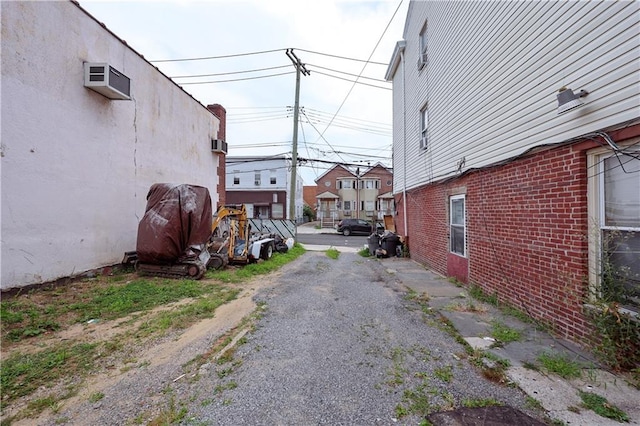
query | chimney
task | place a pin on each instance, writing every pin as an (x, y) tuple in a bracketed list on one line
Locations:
[(219, 111)]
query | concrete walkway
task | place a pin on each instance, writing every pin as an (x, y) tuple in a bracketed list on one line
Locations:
[(473, 320)]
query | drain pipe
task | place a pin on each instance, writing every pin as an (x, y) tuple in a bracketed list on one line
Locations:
[(404, 148)]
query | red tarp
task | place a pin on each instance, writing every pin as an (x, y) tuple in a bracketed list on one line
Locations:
[(177, 220)]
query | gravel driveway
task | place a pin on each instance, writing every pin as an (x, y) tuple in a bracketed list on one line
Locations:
[(339, 343)]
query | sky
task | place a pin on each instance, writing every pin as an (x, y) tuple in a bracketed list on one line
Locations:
[(233, 52)]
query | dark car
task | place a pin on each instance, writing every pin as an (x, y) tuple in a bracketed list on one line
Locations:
[(347, 227)]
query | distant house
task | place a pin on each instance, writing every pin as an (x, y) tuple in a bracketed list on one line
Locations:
[(516, 151), (88, 125), (360, 194), (263, 185), (309, 193)]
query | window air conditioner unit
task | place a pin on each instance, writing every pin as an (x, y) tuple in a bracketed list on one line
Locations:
[(106, 80), (424, 143), (218, 145), (422, 60), (256, 183)]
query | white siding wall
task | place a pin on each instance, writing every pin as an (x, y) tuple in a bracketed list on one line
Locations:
[(493, 73), (247, 167), (76, 167)]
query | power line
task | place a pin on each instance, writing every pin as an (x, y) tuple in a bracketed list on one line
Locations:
[(352, 81), (229, 73), (218, 57), (353, 75), (238, 79), (368, 61), (363, 68)]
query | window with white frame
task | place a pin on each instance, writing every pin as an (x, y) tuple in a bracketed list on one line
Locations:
[(615, 242), (347, 205), (272, 177), (457, 229), (422, 54), (345, 184), (424, 125), (371, 184), (236, 177), (257, 179)]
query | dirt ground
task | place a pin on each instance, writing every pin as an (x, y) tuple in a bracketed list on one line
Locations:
[(176, 346)]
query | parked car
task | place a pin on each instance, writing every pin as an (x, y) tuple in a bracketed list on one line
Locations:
[(347, 227)]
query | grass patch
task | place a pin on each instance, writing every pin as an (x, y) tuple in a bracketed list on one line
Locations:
[(243, 273), (186, 315), (364, 252), (95, 397), (50, 308), (468, 305), (504, 333), (42, 311), (332, 253), (561, 365), (22, 374), (601, 406), (444, 373), (479, 403), (478, 293)]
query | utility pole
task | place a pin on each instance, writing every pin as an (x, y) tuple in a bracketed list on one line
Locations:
[(294, 151)]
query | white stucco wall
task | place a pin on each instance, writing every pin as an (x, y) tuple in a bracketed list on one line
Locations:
[(76, 166)]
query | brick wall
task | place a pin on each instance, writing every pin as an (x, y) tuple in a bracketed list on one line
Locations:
[(526, 233), (219, 111), (384, 175)]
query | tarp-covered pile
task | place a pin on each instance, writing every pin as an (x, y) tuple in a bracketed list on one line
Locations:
[(176, 225)]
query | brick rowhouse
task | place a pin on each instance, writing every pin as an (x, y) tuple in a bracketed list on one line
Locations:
[(527, 225)]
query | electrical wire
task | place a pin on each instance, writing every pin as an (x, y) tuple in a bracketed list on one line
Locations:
[(218, 57), (229, 73), (352, 81), (351, 74), (363, 68), (238, 79), (368, 61)]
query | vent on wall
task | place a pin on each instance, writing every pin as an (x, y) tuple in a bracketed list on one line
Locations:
[(218, 145), (106, 80)]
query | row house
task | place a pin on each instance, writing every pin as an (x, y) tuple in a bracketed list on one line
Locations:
[(516, 152), (359, 194), (263, 185)]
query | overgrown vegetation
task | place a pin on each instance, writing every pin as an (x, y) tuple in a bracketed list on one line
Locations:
[(364, 252), (30, 316), (602, 407), (561, 365), (616, 334), (504, 333), (332, 253)]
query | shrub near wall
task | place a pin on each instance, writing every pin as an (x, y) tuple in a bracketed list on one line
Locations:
[(526, 233)]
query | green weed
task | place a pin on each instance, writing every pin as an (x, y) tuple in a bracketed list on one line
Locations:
[(560, 364), (332, 253), (602, 407), (504, 333), (478, 403), (22, 374)]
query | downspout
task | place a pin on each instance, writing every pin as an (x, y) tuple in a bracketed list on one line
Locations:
[(404, 148)]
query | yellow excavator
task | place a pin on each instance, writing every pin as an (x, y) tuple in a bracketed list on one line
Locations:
[(231, 239)]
